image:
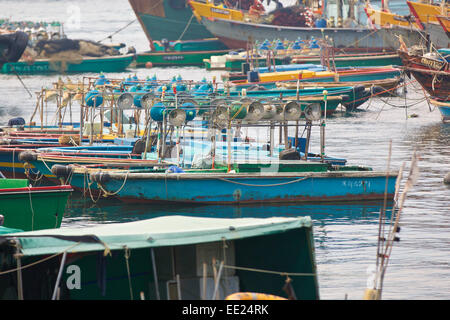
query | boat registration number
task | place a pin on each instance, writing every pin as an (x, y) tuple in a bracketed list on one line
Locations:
[(220, 11), (432, 63)]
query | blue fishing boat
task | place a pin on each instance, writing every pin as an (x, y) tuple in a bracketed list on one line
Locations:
[(263, 184)]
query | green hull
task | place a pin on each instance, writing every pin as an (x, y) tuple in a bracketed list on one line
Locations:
[(32, 208), (96, 65), (193, 58), (178, 24)]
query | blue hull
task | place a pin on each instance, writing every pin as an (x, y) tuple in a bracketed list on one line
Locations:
[(251, 188), (445, 112)]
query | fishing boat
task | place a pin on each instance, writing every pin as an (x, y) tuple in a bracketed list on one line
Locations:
[(343, 75), (430, 70), (175, 37), (85, 64), (235, 33), (235, 62), (252, 183), (10, 164), (164, 258), (32, 208)]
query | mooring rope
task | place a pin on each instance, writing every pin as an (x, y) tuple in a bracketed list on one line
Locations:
[(39, 261)]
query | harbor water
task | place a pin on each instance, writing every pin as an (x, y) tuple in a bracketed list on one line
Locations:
[(345, 234)]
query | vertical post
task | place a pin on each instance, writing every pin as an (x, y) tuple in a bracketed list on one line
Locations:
[(322, 128), (18, 256), (308, 138), (229, 137), (216, 285), (204, 281), (155, 274), (58, 279), (272, 134), (178, 287)]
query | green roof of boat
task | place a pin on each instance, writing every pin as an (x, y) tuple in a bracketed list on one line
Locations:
[(156, 232)]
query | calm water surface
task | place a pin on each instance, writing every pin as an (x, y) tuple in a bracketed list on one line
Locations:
[(345, 235)]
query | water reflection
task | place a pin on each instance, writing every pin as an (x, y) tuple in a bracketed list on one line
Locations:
[(82, 211)]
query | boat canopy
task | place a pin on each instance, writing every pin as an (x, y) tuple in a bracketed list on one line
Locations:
[(156, 232)]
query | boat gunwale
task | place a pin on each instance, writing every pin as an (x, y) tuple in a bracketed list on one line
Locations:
[(245, 175)]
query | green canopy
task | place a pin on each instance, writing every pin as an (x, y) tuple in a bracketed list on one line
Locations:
[(156, 232)]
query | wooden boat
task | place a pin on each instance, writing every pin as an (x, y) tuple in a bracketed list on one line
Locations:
[(235, 33), (431, 71), (171, 20), (219, 257), (355, 60), (87, 64), (175, 37), (32, 208), (269, 80), (304, 182), (10, 164)]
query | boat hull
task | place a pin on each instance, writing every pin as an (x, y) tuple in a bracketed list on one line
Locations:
[(236, 34), (34, 208), (163, 20), (444, 108), (45, 66), (182, 58), (430, 74), (251, 188)]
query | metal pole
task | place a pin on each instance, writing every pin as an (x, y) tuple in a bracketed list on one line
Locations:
[(216, 286), (58, 279), (155, 275), (18, 255)]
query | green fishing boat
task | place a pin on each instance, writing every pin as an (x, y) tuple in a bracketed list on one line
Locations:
[(180, 53), (86, 64), (164, 258), (32, 208)]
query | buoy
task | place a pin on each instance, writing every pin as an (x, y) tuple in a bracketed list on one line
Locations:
[(149, 65), (447, 178)]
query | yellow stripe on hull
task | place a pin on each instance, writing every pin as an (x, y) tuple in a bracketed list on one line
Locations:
[(426, 12), (209, 10), (14, 165)]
